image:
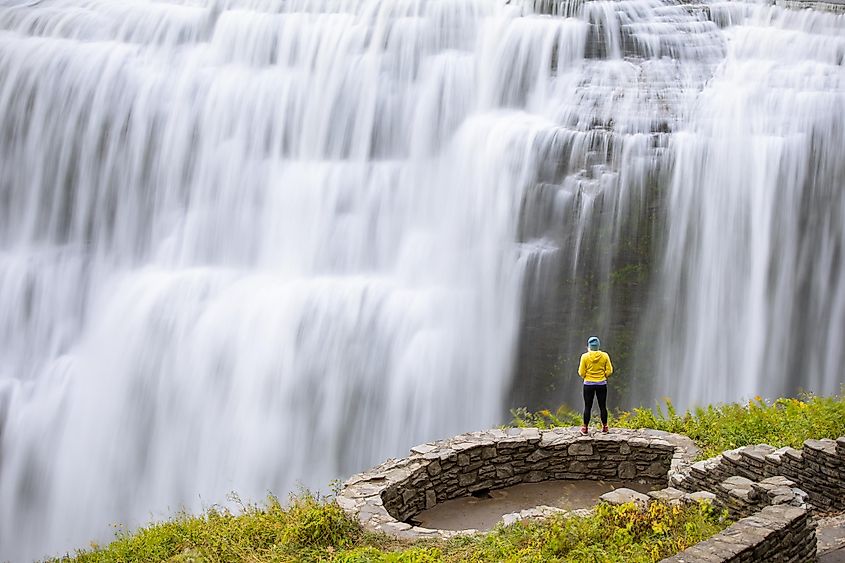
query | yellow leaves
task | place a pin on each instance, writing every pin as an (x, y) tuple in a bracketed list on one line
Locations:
[(659, 528)]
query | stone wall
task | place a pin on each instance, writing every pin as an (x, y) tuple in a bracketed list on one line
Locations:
[(771, 491), (818, 469), (774, 524), (775, 533), (386, 497)]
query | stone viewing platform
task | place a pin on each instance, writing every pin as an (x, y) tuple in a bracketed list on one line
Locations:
[(770, 492), (386, 497)]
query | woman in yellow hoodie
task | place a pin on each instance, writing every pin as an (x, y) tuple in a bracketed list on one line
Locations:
[(595, 368)]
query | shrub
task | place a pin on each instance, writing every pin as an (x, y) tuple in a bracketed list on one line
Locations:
[(612, 533)]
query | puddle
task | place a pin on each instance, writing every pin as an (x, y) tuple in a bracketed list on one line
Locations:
[(483, 513)]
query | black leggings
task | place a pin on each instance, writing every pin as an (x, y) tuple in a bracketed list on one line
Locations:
[(599, 391)]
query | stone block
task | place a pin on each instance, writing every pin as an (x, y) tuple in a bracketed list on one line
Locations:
[(581, 448), (627, 470), (430, 498), (840, 446), (423, 449), (536, 477), (537, 455), (656, 469), (737, 481), (504, 471), (480, 486), (793, 454), (668, 495), (434, 468), (624, 495), (466, 479), (700, 496), (578, 467), (408, 495), (822, 446)]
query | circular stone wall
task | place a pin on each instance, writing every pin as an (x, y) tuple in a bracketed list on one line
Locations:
[(385, 497)]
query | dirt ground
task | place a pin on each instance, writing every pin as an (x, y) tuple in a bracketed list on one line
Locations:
[(483, 513)]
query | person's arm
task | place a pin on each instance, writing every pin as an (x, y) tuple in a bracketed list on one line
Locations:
[(582, 368), (608, 368)]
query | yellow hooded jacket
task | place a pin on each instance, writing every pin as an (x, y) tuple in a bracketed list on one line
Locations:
[(595, 366)]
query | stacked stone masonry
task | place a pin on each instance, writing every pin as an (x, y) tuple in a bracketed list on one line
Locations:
[(818, 469), (770, 491), (775, 533), (386, 497)]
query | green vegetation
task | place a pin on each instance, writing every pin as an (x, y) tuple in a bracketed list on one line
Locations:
[(785, 422), (275, 532), (312, 529)]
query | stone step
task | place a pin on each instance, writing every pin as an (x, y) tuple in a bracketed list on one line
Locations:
[(669, 495), (824, 448), (748, 461), (780, 490)]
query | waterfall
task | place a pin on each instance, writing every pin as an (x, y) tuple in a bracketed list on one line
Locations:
[(751, 300), (248, 245)]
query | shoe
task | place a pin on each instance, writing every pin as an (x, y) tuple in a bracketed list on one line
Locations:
[(583, 430), (605, 429)]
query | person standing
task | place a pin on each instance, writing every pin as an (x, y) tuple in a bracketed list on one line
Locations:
[(594, 369)]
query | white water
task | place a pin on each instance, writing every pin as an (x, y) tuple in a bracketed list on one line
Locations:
[(752, 294), (247, 244)]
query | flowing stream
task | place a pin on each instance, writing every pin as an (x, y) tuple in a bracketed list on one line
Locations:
[(248, 245)]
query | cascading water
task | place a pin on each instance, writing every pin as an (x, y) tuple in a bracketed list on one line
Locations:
[(751, 299), (246, 244)]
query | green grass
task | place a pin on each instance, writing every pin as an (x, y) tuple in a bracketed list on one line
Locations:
[(313, 529), (784, 422), (275, 532)]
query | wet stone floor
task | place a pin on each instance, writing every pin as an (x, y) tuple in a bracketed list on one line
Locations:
[(485, 511)]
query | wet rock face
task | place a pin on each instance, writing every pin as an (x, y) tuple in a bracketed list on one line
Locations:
[(386, 497)]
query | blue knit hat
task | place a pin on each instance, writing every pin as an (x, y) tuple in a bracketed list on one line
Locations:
[(593, 342)]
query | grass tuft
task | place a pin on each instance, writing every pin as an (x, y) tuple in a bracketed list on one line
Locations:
[(784, 422)]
